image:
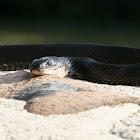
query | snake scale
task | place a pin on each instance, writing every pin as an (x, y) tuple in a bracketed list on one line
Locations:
[(15, 57)]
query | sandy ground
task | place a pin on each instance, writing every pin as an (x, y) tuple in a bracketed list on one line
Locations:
[(99, 123)]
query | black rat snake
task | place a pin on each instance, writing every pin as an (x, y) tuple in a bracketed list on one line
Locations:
[(122, 64)]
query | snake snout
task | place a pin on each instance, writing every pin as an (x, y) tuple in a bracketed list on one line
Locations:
[(36, 65)]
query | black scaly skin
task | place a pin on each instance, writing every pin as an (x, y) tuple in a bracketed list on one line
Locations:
[(102, 53), (90, 70), (14, 57)]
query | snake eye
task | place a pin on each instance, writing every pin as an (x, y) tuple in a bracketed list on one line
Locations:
[(49, 63)]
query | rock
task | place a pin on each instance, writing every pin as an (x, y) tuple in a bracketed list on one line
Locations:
[(73, 102), (46, 95), (69, 96), (92, 111), (18, 124), (128, 128), (45, 90)]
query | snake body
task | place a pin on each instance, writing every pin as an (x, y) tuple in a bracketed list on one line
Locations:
[(15, 57), (87, 69)]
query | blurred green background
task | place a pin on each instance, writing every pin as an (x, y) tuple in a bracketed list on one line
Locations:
[(80, 21)]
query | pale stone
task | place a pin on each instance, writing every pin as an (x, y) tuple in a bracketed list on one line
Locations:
[(92, 111)]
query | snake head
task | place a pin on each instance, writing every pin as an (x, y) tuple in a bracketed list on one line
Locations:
[(50, 66)]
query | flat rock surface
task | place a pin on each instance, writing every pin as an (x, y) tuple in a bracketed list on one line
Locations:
[(128, 128), (86, 110)]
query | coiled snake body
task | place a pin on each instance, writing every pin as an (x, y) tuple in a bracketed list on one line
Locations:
[(105, 63)]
